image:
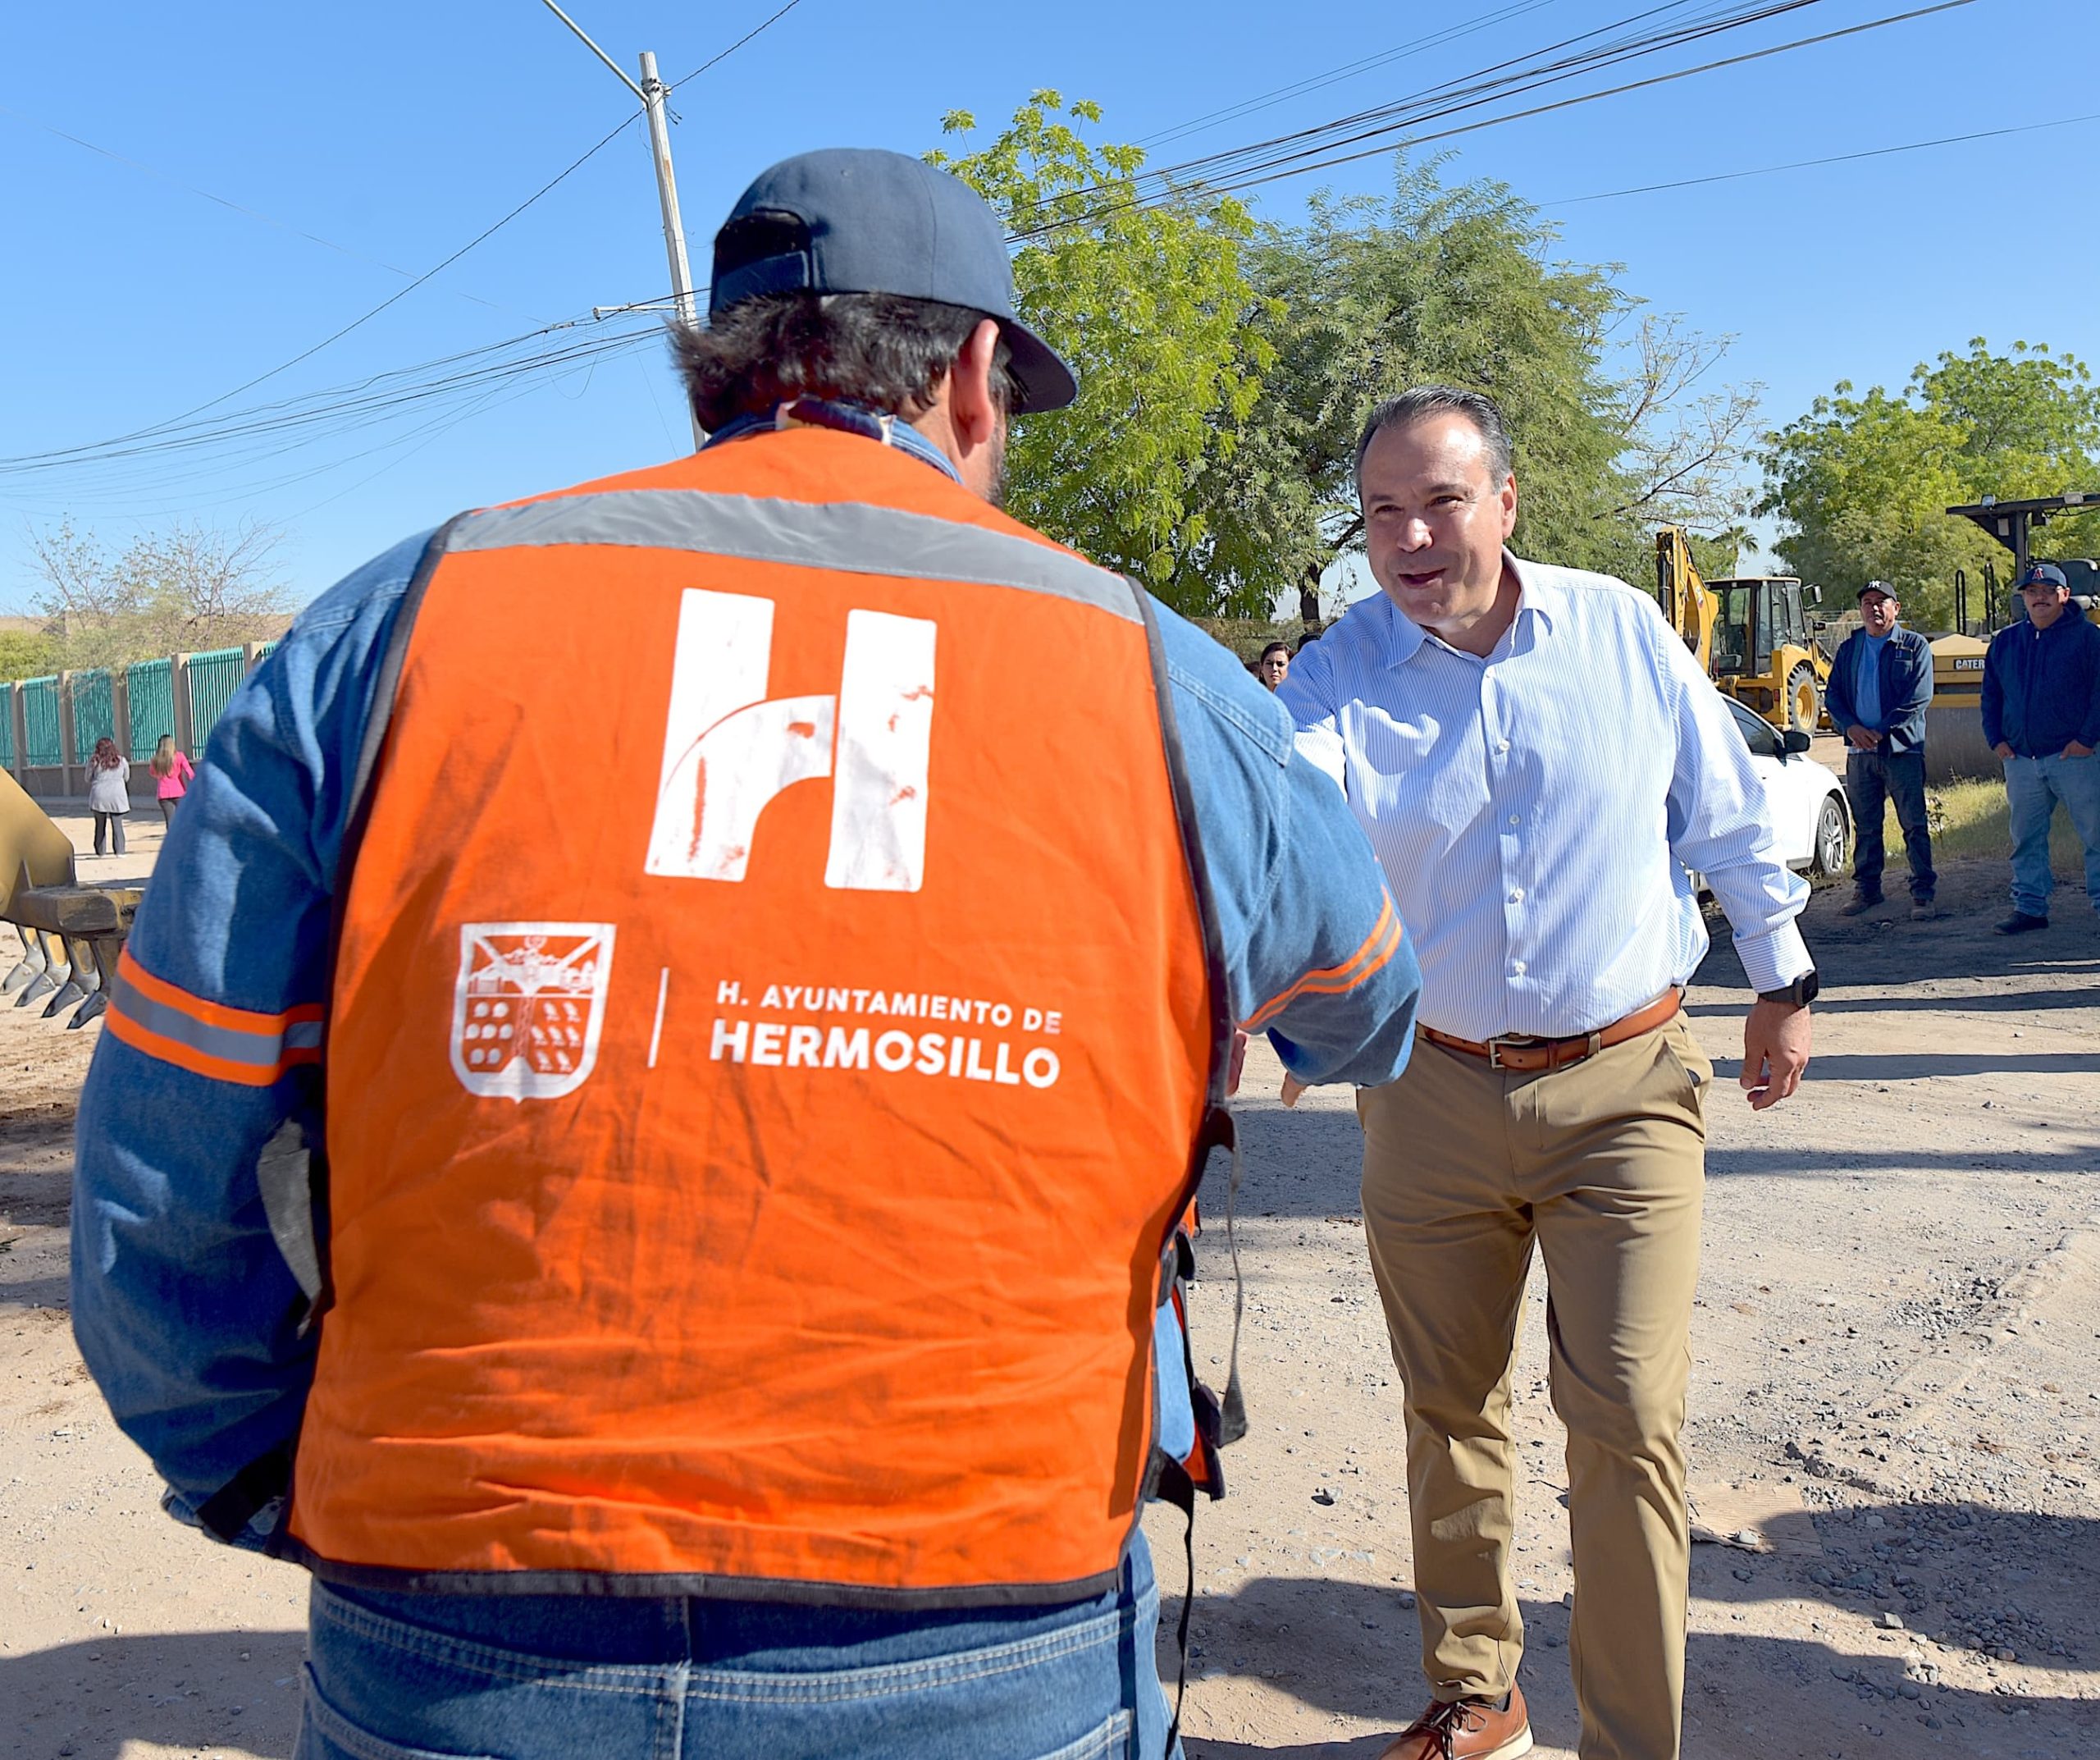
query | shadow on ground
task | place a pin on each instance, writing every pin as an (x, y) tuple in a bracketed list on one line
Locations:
[(1307, 1164), (1351, 1649), (1890, 950), (1923, 1066), (194, 1691), (1900, 1001)]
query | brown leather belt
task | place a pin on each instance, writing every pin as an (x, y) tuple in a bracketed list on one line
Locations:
[(1525, 1054)]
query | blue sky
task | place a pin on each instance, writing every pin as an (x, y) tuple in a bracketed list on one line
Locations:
[(396, 134)]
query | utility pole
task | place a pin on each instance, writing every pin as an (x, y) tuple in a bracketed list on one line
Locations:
[(651, 92), (667, 190)]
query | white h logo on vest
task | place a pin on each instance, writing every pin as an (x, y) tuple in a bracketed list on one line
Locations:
[(728, 749)]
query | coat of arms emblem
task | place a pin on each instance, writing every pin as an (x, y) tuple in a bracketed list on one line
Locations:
[(529, 1007)]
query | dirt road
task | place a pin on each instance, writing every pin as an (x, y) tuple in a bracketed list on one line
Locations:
[(1893, 1393), (1893, 1398)]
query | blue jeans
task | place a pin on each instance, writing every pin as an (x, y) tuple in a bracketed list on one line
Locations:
[(570, 1677), (1872, 778), (2032, 787)]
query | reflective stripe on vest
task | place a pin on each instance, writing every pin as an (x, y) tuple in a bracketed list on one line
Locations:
[(771, 1025)]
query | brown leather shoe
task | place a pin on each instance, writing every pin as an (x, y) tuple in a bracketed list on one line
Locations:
[(1466, 1730)]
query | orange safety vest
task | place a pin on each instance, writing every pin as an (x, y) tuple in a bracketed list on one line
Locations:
[(773, 1027)]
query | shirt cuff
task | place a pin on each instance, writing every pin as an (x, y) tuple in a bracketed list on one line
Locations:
[(1774, 959), (255, 1538)]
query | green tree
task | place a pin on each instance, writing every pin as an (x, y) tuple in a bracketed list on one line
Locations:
[(1148, 300), (2027, 410), (24, 654), (1861, 484), (1457, 284)]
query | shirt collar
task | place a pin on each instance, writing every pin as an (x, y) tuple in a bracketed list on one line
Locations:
[(1539, 598), (846, 418)]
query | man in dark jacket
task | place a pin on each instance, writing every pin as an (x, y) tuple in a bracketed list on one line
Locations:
[(2041, 716), (1880, 686)]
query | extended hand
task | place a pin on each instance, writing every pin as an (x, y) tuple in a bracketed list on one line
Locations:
[(1292, 1086), (1774, 1051)]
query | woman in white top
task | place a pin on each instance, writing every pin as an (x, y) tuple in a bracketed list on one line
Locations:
[(109, 798)]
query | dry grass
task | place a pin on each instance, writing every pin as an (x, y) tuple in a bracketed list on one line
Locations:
[(1968, 820)]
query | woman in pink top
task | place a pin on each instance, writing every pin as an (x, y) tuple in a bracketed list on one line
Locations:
[(172, 774)]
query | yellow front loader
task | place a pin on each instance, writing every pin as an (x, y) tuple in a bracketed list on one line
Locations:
[(1750, 635)]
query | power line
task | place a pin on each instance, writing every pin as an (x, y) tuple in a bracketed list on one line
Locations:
[(86, 453), (273, 429), (756, 30), (1617, 91), (185, 432), (1520, 73), (488, 382), (106, 449), (1325, 157), (1514, 70), (1348, 71), (1835, 159), (231, 470), (401, 294)]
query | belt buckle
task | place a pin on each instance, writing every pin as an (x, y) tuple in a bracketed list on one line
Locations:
[(1494, 1048)]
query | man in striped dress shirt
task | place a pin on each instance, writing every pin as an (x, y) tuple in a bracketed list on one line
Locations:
[(1538, 761)]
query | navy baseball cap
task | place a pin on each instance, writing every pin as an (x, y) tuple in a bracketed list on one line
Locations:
[(2043, 574), (861, 220), (1883, 587)]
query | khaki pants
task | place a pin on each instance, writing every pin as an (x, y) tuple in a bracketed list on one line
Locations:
[(1603, 1164)]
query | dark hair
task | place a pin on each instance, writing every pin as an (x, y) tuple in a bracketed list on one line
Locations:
[(883, 350), (1274, 647), (106, 756), (1421, 400)]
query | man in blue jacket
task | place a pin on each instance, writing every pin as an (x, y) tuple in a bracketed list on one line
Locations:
[(2041, 716), (1881, 685)]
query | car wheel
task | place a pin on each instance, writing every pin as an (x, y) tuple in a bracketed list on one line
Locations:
[(1833, 839), (1804, 705)]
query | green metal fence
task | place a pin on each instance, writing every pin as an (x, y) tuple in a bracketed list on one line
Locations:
[(213, 678), (42, 745), (94, 712), (150, 685), (6, 727)]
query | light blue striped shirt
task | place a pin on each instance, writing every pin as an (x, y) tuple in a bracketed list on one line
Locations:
[(1536, 811)]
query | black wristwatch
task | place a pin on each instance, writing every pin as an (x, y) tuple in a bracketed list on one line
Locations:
[(1802, 992)]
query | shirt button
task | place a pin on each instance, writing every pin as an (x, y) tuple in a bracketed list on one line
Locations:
[(1503, 749), (1517, 897), (1516, 966), (1515, 819)]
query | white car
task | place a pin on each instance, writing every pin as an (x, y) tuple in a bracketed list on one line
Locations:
[(1810, 811)]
